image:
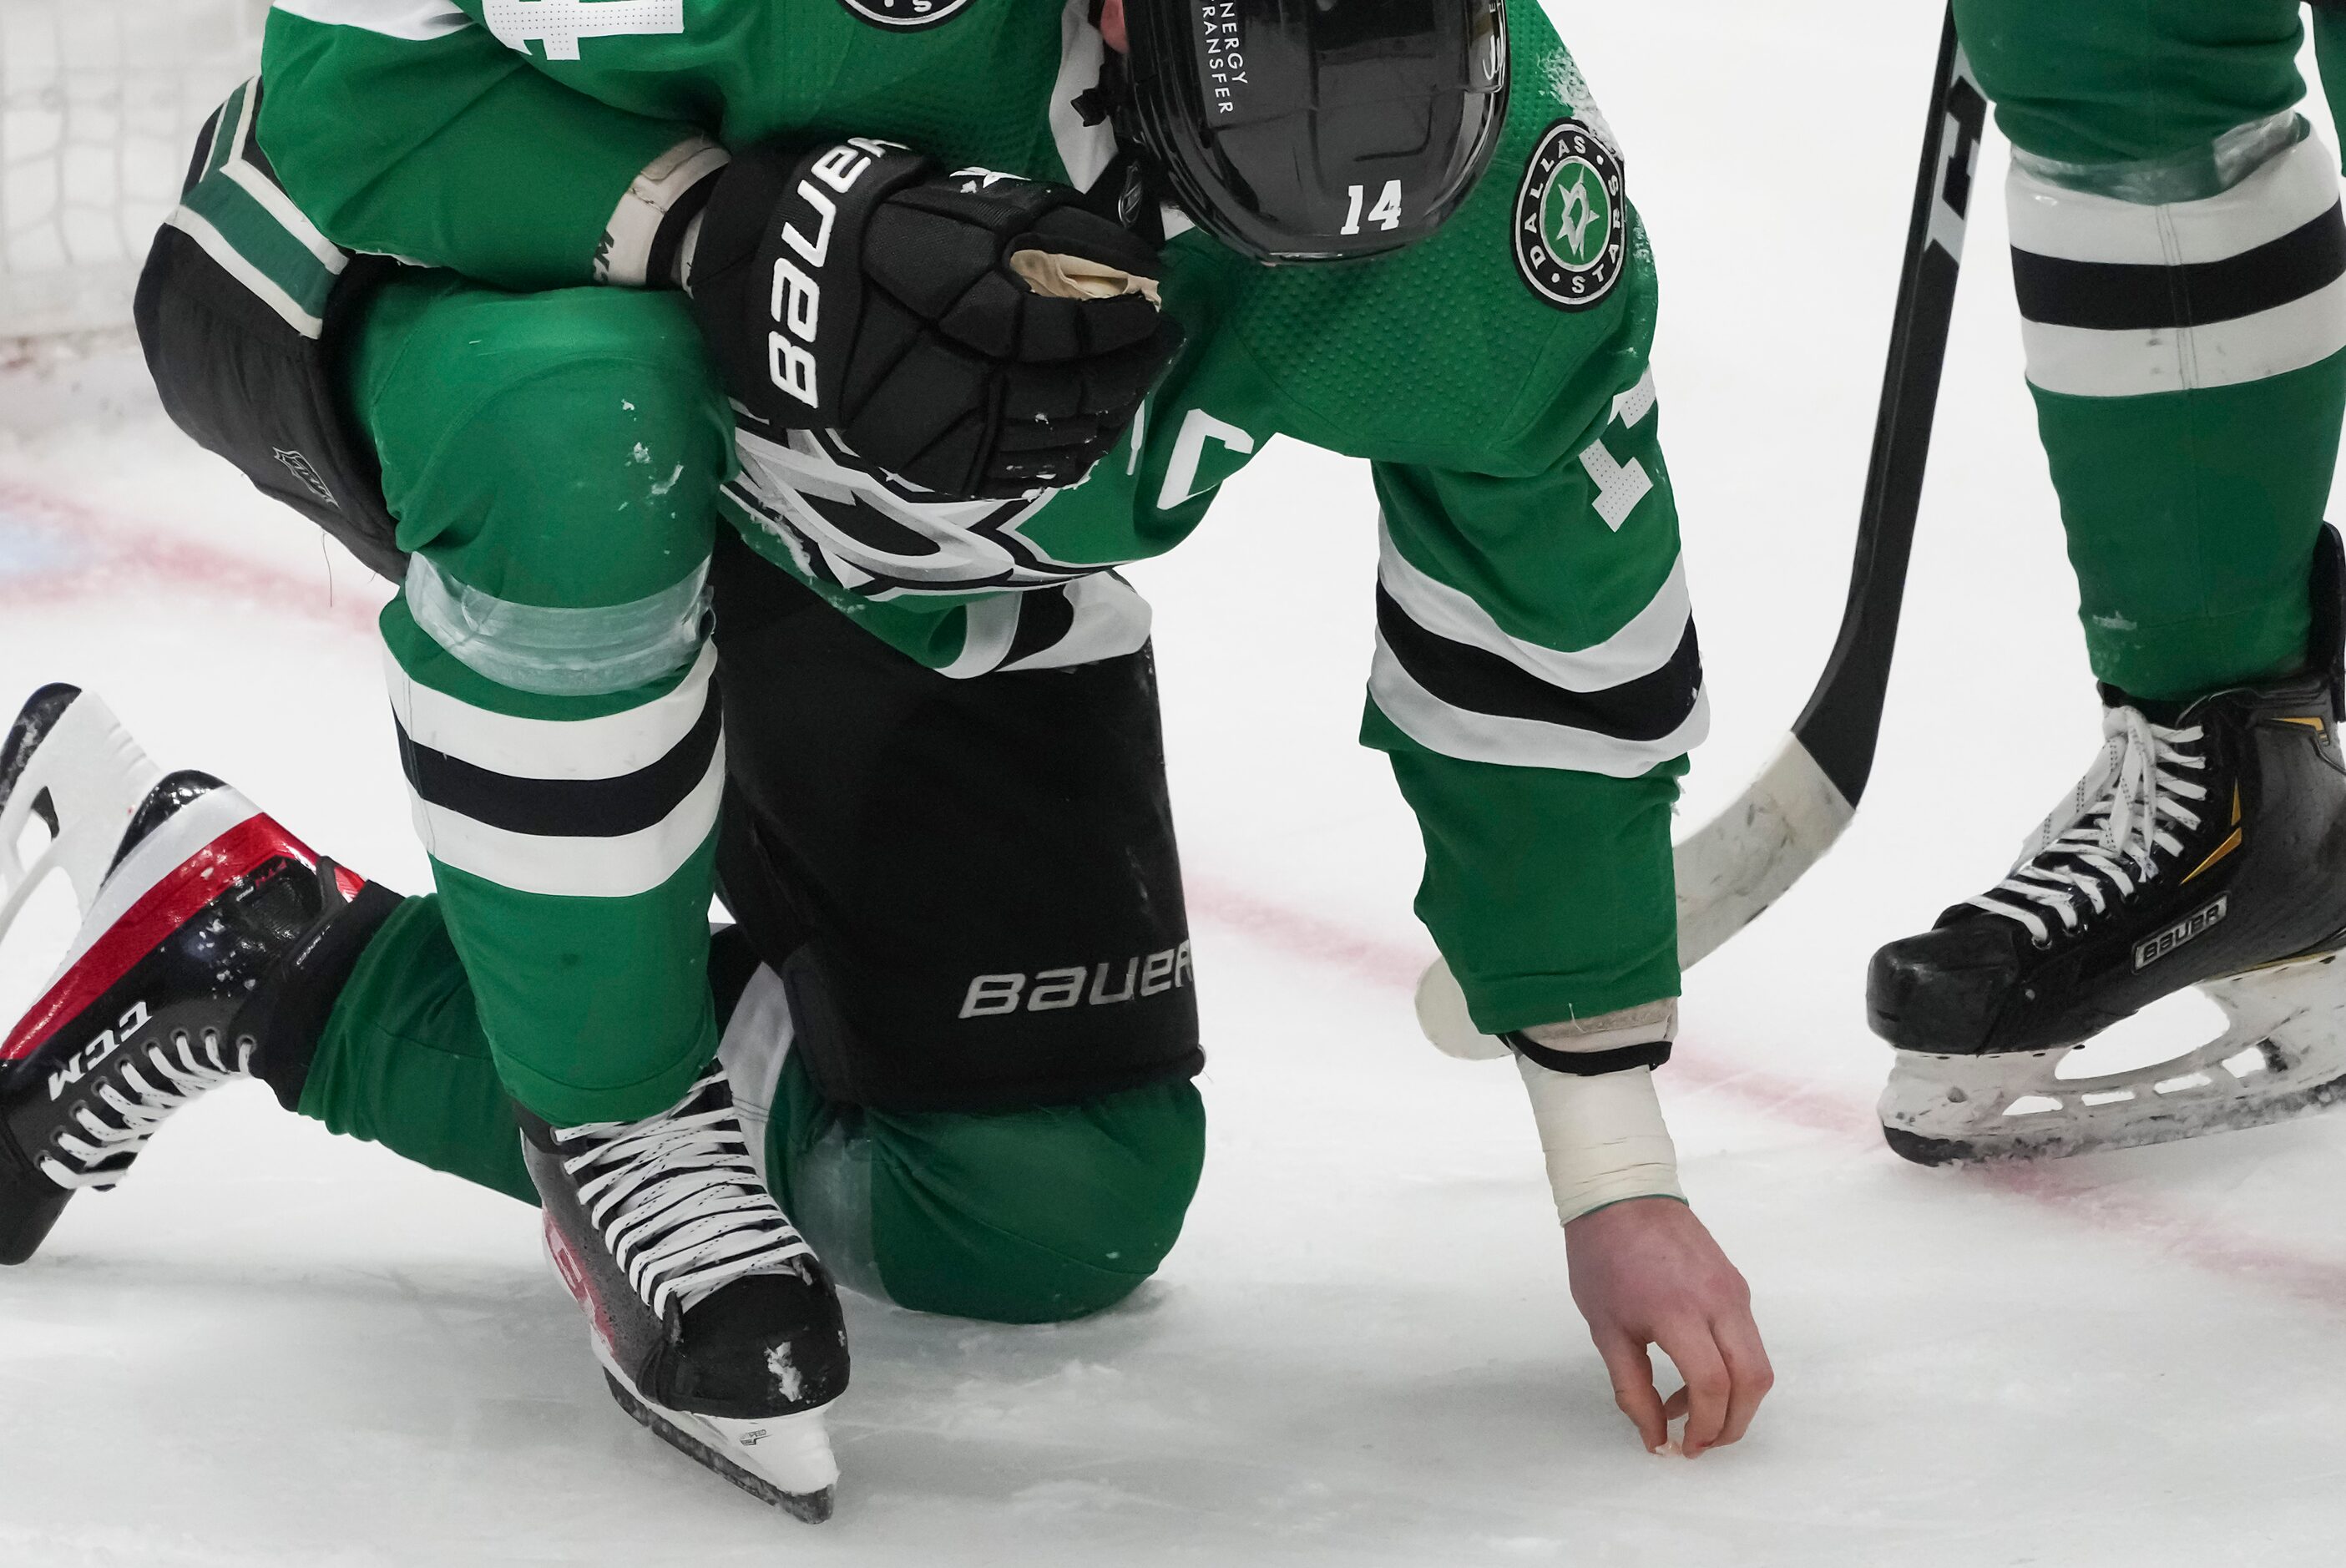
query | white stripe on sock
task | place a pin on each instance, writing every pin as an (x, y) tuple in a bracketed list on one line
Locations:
[(608, 747), (1520, 742), (2086, 362), (2284, 196)]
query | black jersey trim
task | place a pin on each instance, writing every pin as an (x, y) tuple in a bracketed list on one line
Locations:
[(2112, 296), (1045, 617), (1648, 709), (567, 807)]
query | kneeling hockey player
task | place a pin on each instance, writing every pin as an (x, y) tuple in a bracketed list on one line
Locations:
[(2181, 270), (732, 301)]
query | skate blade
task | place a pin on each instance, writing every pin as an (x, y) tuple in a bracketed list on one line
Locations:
[(2282, 1055), (782, 1460), (69, 762)]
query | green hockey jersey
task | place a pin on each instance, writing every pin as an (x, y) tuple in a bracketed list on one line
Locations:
[(1535, 674)]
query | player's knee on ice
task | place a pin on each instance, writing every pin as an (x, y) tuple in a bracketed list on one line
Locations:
[(1031, 1216), (555, 451)]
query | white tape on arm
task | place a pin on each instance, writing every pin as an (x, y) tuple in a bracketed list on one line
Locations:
[(1603, 1136), (627, 255)]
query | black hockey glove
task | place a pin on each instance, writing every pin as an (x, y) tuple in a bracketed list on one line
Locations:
[(855, 289)]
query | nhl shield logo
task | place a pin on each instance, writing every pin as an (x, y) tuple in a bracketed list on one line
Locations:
[(1571, 227), (905, 15)]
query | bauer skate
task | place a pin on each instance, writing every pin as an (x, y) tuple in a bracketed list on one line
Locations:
[(204, 927), (717, 1325), (2205, 847)]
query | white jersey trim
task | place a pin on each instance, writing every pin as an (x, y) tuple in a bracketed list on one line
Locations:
[(1084, 151), (1111, 620), (416, 20), (1645, 644), (1510, 743)]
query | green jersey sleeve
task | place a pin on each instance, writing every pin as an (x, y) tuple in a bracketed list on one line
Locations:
[(1537, 684), (405, 127)]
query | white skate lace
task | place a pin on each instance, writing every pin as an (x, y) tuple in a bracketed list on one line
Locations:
[(678, 1201), (144, 1092), (2107, 839)]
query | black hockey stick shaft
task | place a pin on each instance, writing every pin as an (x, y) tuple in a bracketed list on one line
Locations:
[(1842, 721)]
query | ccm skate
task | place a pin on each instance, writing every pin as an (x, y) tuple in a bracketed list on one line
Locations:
[(208, 933), (211, 947), (2207, 846)]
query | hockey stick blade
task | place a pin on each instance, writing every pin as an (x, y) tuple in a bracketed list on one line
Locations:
[(1733, 867)]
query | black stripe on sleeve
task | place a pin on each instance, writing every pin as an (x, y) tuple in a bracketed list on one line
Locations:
[(203, 152), (1587, 1064), (2112, 296), (1477, 679), (567, 807)]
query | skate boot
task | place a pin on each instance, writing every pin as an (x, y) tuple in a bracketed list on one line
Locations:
[(2205, 847), (716, 1325), (207, 931)]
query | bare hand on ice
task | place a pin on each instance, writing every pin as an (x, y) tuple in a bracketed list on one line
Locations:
[(1648, 1272)]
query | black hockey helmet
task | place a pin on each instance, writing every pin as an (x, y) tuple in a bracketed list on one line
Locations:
[(1301, 130)]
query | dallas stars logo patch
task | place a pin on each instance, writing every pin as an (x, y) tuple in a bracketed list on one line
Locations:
[(1571, 229), (905, 15)]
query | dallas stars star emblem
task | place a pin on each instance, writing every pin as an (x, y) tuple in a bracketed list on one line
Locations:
[(1572, 223)]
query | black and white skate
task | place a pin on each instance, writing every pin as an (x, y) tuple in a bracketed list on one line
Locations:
[(199, 917), (2205, 847), (716, 1325)]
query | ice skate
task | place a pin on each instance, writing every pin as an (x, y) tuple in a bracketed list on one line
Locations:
[(198, 914), (716, 1325), (2205, 847)]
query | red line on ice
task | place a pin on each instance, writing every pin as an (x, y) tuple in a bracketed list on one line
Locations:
[(2073, 1192), (114, 550), (103, 552)]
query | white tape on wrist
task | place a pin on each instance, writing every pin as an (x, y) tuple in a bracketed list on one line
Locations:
[(1604, 1137), (625, 259)]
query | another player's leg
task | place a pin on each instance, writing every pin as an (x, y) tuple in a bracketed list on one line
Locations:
[(211, 938), (2181, 269), (215, 947)]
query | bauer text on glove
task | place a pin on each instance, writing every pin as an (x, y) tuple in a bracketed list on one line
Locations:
[(974, 333)]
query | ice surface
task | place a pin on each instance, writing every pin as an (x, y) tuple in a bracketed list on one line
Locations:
[(276, 1348)]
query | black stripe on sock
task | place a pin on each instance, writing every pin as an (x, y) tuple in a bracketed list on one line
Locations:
[(567, 807), (1480, 681), (2111, 296)]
